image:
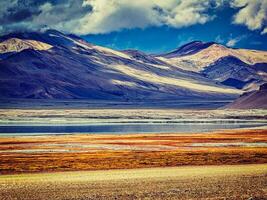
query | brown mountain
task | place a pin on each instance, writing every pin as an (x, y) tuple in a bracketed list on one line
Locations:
[(252, 100)]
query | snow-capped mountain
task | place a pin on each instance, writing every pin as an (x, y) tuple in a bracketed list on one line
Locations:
[(59, 66)]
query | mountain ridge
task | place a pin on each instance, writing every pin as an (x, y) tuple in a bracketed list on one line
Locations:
[(72, 68), (210, 59), (187, 49)]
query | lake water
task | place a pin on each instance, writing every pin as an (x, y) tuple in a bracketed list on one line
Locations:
[(124, 128)]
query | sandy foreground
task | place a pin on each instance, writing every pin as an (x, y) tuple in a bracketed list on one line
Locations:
[(188, 182)]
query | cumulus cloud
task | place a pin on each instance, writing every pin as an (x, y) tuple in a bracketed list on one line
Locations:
[(102, 16), (114, 15), (252, 13), (17, 15)]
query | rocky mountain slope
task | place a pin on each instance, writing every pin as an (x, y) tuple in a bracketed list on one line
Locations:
[(251, 100), (239, 68), (58, 66)]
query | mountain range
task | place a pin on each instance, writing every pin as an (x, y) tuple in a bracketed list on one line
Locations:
[(54, 65)]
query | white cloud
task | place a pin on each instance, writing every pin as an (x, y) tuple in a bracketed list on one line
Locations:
[(233, 41), (252, 13), (113, 15), (103, 16), (264, 31)]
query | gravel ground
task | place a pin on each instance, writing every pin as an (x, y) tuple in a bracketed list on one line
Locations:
[(191, 182)]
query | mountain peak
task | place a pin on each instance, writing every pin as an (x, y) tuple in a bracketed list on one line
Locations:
[(51, 37), (17, 45), (53, 31), (188, 49)]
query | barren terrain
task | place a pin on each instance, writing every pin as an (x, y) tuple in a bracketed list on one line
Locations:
[(241, 182)]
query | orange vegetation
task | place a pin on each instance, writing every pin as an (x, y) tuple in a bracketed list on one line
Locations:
[(92, 152)]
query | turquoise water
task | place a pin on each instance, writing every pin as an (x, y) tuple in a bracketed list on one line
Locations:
[(124, 128)]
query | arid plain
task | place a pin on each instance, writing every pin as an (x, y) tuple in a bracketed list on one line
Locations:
[(216, 164)]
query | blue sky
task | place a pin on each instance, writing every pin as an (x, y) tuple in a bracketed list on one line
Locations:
[(165, 38), (152, 26)]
